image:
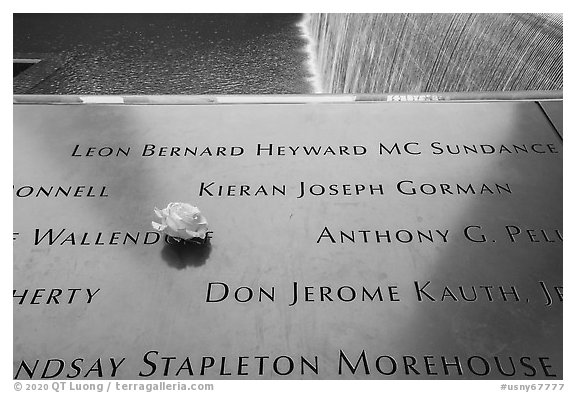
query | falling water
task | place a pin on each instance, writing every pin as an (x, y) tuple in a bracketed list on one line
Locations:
[(381, 53), (310, 63)]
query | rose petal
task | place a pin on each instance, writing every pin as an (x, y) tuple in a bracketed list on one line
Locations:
[(172, 224), (170, 232), (177, 220), (189, 208), (196, 234), (158, 227), (181, 220), (189, 220)]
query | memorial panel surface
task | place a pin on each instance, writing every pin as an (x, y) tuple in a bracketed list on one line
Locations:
[(553, 110), (373, 240)]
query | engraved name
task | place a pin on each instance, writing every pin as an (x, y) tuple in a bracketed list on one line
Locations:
[(78, 191), (55, 296), (383, 236), (65, 237), (155, 364)]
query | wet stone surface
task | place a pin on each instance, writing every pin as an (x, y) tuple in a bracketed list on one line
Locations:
[(164, 54)]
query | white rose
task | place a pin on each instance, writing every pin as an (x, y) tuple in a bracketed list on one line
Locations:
[(181, 220)]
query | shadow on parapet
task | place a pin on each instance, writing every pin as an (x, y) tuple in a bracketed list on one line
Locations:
[(183, 255)]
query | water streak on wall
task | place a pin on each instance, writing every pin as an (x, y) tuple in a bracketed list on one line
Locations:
[(381, 53)]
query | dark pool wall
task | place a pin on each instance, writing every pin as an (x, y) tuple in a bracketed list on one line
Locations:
[(381, 53), (269, 53), (161, 53)]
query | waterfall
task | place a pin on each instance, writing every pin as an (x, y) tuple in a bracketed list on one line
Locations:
[(382, 53)]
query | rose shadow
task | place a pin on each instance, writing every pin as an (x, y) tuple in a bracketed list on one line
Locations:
[(181, 256)]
